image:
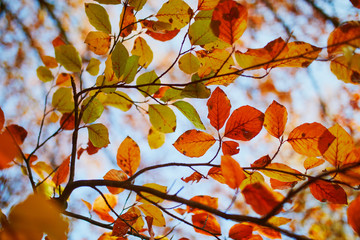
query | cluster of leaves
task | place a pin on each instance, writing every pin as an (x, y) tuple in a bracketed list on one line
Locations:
[(213, 30)]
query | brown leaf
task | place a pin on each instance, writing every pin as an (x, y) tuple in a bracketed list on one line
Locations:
[(219, 108), (230, 148), (261, 162), (207, 222), (229, 21), (2, 119), (194, 143), (231, 171), (244, 123), (241, 231), (123, 223), (310, 139), (328, 192)]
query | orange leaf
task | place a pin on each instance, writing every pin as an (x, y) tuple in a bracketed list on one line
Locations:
[(207, 4), (231, 171), (159, 30), (62, 172), (282, 172), (275, 119), (340, 147), (244, 123), (276, 184), (353, 215), (64, 79), (123, 223), (102, 209), (194, 143), (87, 204), (215, 173), (193, 177), (352, 175), (10, 139), (127, 21), (207, 222), (229, 21), (312, 162), (230, 148), (115, 175), (241, 231), (219, 108), (128, 156), (49, 61), (268, 232), (328, 192), (67, 121), (261, 162), (310, 139), (2, 119), (58, 41), (203, 199), (261, 198), (347, 33)]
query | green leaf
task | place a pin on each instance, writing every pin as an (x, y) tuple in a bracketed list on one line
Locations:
[(108, 1), (119, 59), (130, 69), (98, 17), (189, 63), (93, 66), (162, 118), (200, 33), (196, 90), (172, 94), (63, 100), (142, 49), (137, 4), (98, 135), (93, 109), (148, 78), (175, 12), (119, 100), (68, 56), (44, 74), (190, 113)]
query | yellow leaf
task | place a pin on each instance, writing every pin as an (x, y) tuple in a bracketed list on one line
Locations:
[(128, 156), (98, 42), (312, 162), (188, 63), (194, 143), (255, 177), (102, 209), (232, 171), (347, 34), (142, 49), (175, 12), (154, 212), (150, 197), (347, 70), (93, 66), (155, 138), (285, 173)]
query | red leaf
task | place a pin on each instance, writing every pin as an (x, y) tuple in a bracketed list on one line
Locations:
[(353, 215), (62, 172), (229, 20), (276, 184), (261, 162), (244, 123), (10, 140), (207, 222), (67, 121), (91, 149), (2, 119), (356, 3), (219, 108), (328, 192), (230, 148)]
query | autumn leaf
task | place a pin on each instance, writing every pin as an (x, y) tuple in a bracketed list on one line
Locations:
[(347, 34), (356, 3), (115, 175), (207, 4), (64, 79), (312, 162), (241, 231), (98, 17), (275, 119), (128, 156), (207, 222), (49, 61), (219, 108), (123, 223), (200, 32), (44, 74), (10, 140), (98, 42), (328, 192), (119, 59), (276, 184), (162, 118), (154, 212), (68, 57), (62, 172), (346, 69), (231, 171), (252, 178), (194, 177), (127, 21), (285, 173), (194, 143), (261, 162), (351, 175), (159, 30), (215, 173), (102, 209), (63, 100), (261, 198), (155, 138), (148, 78), (353, 215), (190, 113), (92, 109), (229, 20), (189, 63), (98, 135), (244, 123), (146, 197), (175, 12), (2, 119), (310, 139), (203, 199), (142, 49), (230, 148), (117, 99), (93, 67)]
